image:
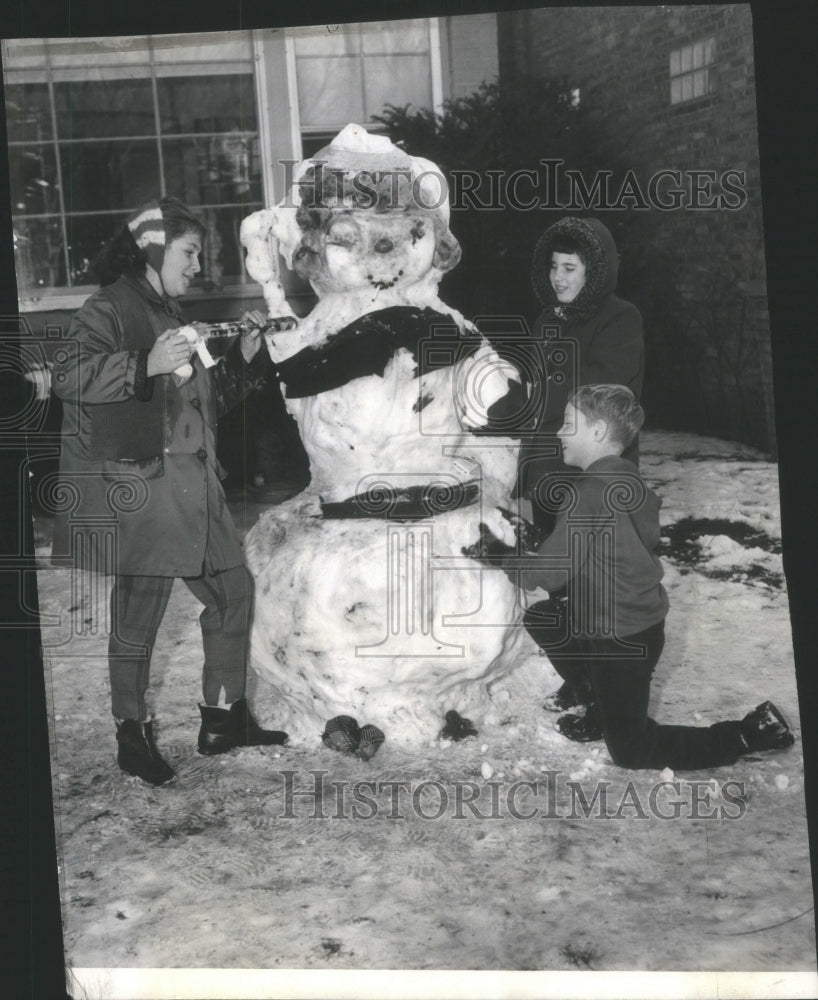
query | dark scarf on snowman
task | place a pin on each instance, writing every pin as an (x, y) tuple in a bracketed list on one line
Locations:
[(597, 248)]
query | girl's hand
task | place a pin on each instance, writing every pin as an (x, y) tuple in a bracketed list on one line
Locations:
[(169, 352), (251, 339)]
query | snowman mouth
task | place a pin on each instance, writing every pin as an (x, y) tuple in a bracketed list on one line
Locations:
[(382, 284)]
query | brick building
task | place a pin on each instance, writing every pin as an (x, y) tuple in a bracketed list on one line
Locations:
[(672, 89)]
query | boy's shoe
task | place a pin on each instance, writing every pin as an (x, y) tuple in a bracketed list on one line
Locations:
[(765, 729), (561, 699), (581, 728)]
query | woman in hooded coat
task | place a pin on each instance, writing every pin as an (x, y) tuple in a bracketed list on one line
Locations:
[(585, 335), (139, 486)]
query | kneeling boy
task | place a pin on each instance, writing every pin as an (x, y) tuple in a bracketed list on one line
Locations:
[(604, 543)]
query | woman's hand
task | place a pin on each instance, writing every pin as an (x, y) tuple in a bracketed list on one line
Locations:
[(171, 350), (251, 338)]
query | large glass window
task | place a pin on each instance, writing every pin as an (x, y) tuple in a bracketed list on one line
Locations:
[(99, 126), (348, 72)]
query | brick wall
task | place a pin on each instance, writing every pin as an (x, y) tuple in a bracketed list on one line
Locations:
[(697, 275)]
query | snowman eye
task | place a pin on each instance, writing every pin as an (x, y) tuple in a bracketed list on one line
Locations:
[(342, 236)]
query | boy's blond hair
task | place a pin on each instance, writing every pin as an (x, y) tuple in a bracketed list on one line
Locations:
[(616, 405)]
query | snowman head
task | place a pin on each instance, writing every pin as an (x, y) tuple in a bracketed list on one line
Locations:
[(365, 215)]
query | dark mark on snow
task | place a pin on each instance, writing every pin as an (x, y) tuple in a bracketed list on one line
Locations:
[(681, 543)]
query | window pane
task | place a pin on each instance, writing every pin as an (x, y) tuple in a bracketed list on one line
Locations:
[(222, 254), (687, 87), (699, 83), (33, 180), (675, 63), (28, 112), (38, 253), (396, 36), (698, 54), (86, 237), (397, 80), (213, 169), (710, 45), (207, 104), (687, 58), (109, 175), (675, 91), (329, 91), (93, 110)]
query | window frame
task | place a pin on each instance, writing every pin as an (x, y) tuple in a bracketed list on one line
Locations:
[(707, 68)]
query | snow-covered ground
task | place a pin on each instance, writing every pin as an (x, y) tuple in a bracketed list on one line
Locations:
[(490, 854)]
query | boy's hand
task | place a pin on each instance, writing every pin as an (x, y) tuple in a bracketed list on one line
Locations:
[(529, 536), (488, 548)]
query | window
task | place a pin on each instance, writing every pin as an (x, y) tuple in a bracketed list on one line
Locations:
[(99, 126), (348, 72), (692, 71)]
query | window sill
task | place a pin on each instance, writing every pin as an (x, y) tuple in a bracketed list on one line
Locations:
[(71, 299), (53, 299), (693, 104)]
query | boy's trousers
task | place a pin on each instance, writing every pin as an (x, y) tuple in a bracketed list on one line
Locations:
[(138, 605), (621, 689)]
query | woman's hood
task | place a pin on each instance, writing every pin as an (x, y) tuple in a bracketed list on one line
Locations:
[(601, 262)]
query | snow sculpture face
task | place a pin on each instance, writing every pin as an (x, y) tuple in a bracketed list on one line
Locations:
[(364, 216), (350, 249), (365, 223)]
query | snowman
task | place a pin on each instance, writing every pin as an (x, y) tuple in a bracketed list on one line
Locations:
[(366, 607)]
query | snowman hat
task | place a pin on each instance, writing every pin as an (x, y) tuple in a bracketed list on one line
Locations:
[(356, 151)]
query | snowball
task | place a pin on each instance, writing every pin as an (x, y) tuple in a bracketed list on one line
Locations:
[(486, 770), (781, 781)]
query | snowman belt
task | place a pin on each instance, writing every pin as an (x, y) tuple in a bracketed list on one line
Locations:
[(407, 503)]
